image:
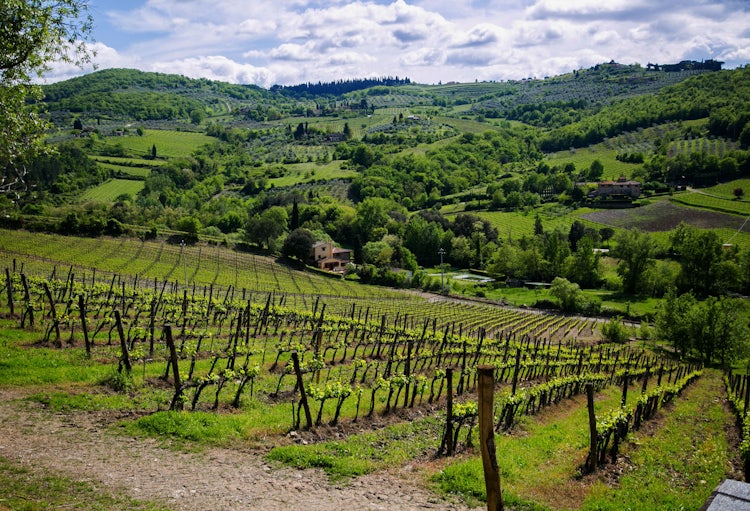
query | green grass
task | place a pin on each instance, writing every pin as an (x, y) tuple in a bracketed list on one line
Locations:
[(690, 449), (129, 162), (25, 489), (111, 189), (515, 224), (727, 189), (363, 453), (583, 157), (131, 171), (22, 363), (724, 205), (307, 172), (169, 144)]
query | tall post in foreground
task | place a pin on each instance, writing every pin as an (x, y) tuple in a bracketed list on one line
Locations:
[(487, 438)]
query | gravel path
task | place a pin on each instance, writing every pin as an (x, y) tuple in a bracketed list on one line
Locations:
[(79, 446)]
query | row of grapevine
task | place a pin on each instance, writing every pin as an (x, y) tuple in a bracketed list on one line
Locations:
[(612, 427)]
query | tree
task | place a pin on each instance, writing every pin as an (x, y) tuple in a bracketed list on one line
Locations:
[(738, 193), (567, 293), (153, 152), (538, 228), (713, 328), (294, 220), (298, 244), (265, 227), (577, 230), (635, 250), (33, 34), (606, 234), (583, 266), (596, 169), (700, 253)]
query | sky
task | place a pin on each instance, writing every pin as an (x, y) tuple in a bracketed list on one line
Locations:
[(287, 42)]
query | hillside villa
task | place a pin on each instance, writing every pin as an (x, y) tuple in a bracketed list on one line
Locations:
[(621, 188), (327, 257)]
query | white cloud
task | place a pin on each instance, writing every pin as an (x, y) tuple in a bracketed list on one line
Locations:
[(294, 41), (217, 67)]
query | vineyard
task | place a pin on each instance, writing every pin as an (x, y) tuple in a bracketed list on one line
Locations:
[(211, 331)]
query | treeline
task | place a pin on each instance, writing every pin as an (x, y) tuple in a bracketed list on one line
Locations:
[(117, 80), (337, 87), (687, 65)]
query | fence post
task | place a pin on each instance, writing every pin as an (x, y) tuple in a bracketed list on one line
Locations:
[(487, 438)]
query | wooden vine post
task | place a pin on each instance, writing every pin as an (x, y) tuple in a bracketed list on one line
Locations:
[(84, 328), (449, 412), (177, 399), (591, 462), (301, 385), (487, 438), (125, 360)]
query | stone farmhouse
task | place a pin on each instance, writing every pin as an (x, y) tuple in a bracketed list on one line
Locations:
[(619, 188), (327, 257)]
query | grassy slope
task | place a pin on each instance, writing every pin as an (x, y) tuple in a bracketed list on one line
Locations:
[(169, 144), (111, 189)]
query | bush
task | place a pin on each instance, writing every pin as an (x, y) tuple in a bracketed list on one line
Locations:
[(615, 330)]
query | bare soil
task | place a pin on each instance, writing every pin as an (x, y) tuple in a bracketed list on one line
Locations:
[(82, 446), (664, 215)]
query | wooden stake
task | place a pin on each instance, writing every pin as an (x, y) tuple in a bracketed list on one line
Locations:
[(301, 385), (592, 427), (177, 399), (123, 344), (487, 438), (82, 309), (449, 412)]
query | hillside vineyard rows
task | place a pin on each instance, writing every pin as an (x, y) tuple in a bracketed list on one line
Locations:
[(377, 355)]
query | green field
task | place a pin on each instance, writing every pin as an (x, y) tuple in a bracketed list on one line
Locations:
[(714, 202), (169, 143), (726, 190), (111, 189), (583, 157), (129, 170), (297, 173)]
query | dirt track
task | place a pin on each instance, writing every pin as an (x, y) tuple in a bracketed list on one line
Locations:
[(81, 447)]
